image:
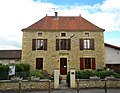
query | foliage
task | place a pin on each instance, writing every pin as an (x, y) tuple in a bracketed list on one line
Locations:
[(107, 73), (36, 73), (22, 67), (86, 74), (4, 68), (68, 77)]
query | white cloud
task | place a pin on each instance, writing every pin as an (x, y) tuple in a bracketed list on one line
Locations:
[(113, 41), (18, 14)]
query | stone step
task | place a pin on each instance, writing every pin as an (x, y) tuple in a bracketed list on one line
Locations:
[(63, 77)]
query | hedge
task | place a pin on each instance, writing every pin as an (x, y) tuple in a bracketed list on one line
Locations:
[(86, 74)]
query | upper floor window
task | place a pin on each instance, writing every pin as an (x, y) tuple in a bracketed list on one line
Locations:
[(87, 44), (39, 44), (63, 44), (40, 34), (63, 34)]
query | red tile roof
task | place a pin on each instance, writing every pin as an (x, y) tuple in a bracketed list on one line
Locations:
[(112, 46), (72, 23)]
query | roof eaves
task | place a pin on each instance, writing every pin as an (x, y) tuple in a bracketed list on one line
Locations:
[(112, 46)]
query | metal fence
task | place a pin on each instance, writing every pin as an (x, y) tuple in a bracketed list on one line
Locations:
[(5, 76)]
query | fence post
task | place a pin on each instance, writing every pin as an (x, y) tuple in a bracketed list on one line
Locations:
[(105, 85), (19, 87), (77, 85), (56, 78), (72, 77), (49, 86)]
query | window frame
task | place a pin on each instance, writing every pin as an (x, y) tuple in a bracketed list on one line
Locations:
[(63, 44), (87, 44), (63, 34), (35, 44), (40, 34), (83, 63)]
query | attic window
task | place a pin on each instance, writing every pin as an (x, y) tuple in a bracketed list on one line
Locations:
[(39, 34), (86, 34), (63, 34)]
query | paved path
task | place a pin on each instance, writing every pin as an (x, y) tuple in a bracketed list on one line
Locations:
[(69, 91)]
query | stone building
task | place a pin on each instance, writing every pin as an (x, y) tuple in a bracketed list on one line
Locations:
[(10, 57), (63, 42)]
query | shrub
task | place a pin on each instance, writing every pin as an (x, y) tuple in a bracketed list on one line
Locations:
[(106, 73), (36, 73), (86, 74), (4, 68), (22, 67)]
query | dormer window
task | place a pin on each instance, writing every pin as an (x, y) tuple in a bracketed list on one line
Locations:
[(63, 34)]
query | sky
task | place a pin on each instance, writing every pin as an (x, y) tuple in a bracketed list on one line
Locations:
[(18, 14)]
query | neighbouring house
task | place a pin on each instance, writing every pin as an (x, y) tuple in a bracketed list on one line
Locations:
[(63, 42), (112, 56), (10, 57)]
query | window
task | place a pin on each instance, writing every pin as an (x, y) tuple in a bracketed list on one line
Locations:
[(63, 34), (63, 44), (39, 44), (86, 34), (39, 63), (86, 44), (39, 34), (87, 63)]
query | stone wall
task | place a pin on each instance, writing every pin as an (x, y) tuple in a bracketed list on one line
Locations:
[(25, 85), (51, 57), (87, 83)]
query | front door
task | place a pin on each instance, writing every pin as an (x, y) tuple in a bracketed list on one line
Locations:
[(63, 66)]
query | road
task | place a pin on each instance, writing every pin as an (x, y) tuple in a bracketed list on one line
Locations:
[(68, 91)]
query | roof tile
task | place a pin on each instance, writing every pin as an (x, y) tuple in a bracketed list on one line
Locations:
[(63, 23)]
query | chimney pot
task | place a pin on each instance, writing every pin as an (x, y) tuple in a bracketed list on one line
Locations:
[(56, 14)]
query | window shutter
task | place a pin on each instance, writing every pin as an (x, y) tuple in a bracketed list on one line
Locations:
[(81, 44), (57, 44), (92, 44), (68, 44), (93, 64), (81, 63), (45, 44), (33, 44)]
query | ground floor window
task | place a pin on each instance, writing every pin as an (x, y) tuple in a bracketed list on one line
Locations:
[(87, 63), (39, 63)]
